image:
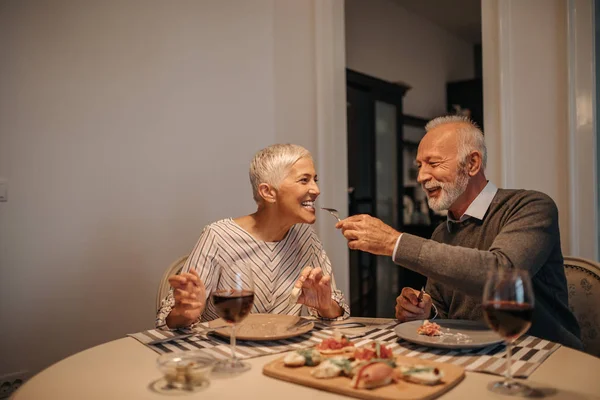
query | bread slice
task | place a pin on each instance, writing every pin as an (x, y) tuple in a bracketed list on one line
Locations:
[(294, 295)]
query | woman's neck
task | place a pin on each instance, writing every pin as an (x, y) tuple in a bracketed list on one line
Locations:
[(264, 225)]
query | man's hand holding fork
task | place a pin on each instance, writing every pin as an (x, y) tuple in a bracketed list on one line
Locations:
[(412, 305)]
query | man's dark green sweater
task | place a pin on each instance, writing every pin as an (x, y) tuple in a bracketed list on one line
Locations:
[(519, 230)]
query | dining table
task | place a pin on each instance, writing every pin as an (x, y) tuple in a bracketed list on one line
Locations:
[(127, 369)]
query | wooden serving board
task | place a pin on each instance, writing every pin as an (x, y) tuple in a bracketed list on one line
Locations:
[(453, 374)]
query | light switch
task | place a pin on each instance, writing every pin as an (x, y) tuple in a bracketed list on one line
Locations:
[(3, 190)]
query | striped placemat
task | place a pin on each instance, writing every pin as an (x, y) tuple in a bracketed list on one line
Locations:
[(528, 351), (219, 347)]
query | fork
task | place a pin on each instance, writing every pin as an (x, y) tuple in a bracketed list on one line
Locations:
[(185, 335), (420, 299), (333, 212), (421, 293), (300, 323)]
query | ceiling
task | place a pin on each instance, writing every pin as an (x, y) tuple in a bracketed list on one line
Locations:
[(459, 17)]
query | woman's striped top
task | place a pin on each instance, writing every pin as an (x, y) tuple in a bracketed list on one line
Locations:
[(276, 266)]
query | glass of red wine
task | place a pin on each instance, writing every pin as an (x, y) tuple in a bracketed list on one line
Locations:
[(233, 297), (508, 309)]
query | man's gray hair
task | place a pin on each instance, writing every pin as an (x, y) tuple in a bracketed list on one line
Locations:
[(471, 137), (272, 164)]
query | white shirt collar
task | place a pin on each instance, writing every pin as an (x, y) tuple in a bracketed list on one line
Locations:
[(478, 207)]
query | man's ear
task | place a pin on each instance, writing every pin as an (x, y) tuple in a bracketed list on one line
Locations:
[(474, 161), (267, 192)]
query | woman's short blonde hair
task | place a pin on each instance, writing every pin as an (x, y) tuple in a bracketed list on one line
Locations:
[(272, 164)]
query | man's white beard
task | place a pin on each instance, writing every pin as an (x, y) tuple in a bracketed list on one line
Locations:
[(449, 192)]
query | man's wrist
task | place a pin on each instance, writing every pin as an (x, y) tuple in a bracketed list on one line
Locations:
[(396, 245)]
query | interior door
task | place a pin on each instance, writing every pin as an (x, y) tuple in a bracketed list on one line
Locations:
[(361, 182), (374, 178)]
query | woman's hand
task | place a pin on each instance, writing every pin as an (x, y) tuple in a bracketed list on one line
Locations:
[(316, 292), (190, 299)]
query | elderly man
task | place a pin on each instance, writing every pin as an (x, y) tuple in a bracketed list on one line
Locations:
[(486, 227)]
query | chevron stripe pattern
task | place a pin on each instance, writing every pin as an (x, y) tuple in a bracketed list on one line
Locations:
[(275, 266)]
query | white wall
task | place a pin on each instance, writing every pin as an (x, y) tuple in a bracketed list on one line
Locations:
[(389, 42), (310, 106), (526, 103), (124, 129), (583, 140)]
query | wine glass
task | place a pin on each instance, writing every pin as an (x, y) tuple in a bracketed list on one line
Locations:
[(508, 309), (233, 297)]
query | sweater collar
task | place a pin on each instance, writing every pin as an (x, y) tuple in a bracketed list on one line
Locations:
[(478, 207)]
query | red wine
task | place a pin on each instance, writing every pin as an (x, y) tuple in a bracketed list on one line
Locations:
[(233, 305), (508, 318)]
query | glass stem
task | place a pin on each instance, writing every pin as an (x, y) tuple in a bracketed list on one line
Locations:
[(507, 373), (233, 356)]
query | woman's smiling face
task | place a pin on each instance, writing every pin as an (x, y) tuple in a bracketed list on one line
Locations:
[(297, 193)]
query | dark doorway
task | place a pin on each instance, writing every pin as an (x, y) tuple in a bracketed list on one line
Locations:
[(376, 187)]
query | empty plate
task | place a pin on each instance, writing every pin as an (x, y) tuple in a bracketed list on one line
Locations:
[(266, 327)]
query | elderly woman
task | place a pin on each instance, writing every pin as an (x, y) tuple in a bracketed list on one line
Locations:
[(277, 241)]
